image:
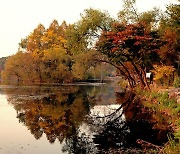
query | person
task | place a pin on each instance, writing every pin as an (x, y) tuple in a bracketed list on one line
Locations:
[(150, 77)]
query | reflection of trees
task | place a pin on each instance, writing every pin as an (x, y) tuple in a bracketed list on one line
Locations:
[(137, 131), (80, 144), (60, 113), (56, 113)]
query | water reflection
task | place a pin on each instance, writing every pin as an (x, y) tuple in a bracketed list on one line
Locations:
[(81, 119), (137, 132), (55, 114)]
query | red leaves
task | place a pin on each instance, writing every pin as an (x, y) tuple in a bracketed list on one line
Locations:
[(132, 35), (137, 43), (129, 41), (114, 49)]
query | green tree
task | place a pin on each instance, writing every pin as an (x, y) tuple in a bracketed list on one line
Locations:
[(129, 12), (82, 35)]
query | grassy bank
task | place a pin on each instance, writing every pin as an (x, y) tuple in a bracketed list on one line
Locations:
[(166, 111)]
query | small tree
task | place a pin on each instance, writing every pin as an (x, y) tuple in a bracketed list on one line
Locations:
[(164, 74)]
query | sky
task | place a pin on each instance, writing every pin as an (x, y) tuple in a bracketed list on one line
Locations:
[(19, 17)]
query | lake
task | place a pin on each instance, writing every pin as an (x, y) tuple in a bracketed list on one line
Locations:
[(76, 118)]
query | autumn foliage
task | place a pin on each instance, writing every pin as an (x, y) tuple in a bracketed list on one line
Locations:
[(67, 53), (134, 48), (44, 57)]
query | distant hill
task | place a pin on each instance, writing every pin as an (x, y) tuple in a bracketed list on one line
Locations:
[(2, 62)]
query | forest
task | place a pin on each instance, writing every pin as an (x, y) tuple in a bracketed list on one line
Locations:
[(134, 44)]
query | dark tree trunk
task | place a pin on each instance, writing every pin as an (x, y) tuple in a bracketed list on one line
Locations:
[(144, 77), (139, 75)]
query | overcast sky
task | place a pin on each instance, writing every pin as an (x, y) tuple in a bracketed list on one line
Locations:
[(19, 17)]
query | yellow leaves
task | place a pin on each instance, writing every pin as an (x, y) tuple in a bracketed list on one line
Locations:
[(50, 33), (61, 98), (37, 54), (61, 39), (163, 71), (77, 108), (52, 39), (78, 71), (62, 69), (44, 39)]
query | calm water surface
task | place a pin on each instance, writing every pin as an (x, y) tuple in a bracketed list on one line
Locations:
[(84, 118)]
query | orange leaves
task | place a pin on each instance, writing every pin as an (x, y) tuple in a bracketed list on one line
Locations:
[(44, 39), (170, 36), (168, 51)]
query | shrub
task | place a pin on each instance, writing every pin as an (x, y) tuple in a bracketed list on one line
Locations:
[(176, 82)]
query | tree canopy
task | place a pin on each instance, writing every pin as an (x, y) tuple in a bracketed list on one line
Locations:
[(58, 54), (134, 44)]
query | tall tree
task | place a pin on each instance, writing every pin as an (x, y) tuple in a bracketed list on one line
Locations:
[(82, 35), (128, 14), (170, 30), (132, 43)]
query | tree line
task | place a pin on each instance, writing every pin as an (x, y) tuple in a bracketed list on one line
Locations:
[(134, 44)]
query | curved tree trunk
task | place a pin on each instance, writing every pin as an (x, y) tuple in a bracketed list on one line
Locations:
[(143, 85), (144, 77), (128, 76), (133, 82)]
